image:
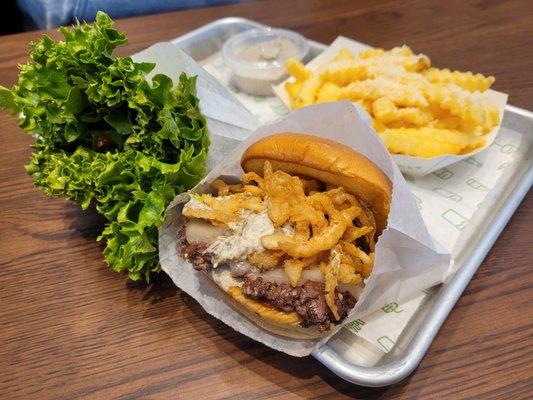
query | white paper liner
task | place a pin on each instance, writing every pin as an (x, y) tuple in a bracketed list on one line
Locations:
[(367, 338), (449, 200), (414, 166), (454, 202), (407, 259)]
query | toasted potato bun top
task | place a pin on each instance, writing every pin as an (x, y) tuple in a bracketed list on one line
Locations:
[(327, 161)]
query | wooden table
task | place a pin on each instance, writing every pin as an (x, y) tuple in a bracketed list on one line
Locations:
[(72, 328)]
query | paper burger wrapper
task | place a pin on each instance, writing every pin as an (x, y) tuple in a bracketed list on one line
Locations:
[(406, 259), (414, 166)]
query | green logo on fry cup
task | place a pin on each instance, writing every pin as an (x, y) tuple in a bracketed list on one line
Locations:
[(409, 167), (443, 173), (473, 161)]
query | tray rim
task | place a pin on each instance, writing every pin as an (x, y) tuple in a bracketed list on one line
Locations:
[(449, 293)]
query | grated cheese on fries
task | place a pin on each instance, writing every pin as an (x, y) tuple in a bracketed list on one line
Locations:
[(416, 109)]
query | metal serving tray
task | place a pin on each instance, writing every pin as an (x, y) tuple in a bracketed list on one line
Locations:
[(204, 42)]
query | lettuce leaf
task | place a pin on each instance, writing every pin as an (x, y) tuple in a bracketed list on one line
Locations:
[(106, 136)]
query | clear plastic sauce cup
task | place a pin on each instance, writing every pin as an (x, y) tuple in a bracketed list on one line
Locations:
[(257, 58)]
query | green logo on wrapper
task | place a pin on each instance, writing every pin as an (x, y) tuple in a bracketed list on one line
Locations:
[(355, 326), (447, 194), (443, 173), (279, 109), (475, 184), (504, 165), (391, 307), (409, 167), (386, 343), (455, 219), (507, 148), (473, 161)]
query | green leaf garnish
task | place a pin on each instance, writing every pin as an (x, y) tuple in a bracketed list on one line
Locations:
[(106, 136)]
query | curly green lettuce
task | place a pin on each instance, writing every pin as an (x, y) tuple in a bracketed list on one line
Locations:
[(106, 136)]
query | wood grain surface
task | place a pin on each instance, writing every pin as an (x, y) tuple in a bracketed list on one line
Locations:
[(72, 328)]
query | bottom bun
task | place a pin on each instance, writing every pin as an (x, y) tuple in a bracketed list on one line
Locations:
[(263, 314)]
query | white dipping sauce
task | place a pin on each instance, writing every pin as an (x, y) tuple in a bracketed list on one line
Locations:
[(268, 57), (257, 57), (273, 50)]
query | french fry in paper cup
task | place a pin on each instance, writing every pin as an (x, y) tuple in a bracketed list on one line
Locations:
[(410, 165), (406, 257)]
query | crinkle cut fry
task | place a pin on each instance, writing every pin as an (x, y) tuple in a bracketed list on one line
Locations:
[(400, 90), (466, 80)]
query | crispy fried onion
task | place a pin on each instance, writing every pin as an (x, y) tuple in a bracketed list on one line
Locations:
[(224, 189), (330, 229), (336, 271), (325, 236), (266, 259), (223, 209)]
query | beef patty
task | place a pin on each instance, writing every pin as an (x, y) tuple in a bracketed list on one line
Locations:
[(308, 300)]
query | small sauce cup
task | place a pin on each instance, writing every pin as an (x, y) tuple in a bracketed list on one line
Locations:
[(257, 58)]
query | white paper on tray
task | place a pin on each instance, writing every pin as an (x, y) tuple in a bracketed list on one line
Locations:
[(407, 259), (414, 166), (448, 199), (453, 202)]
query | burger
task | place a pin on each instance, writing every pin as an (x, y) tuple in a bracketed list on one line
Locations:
[(292, 243)]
